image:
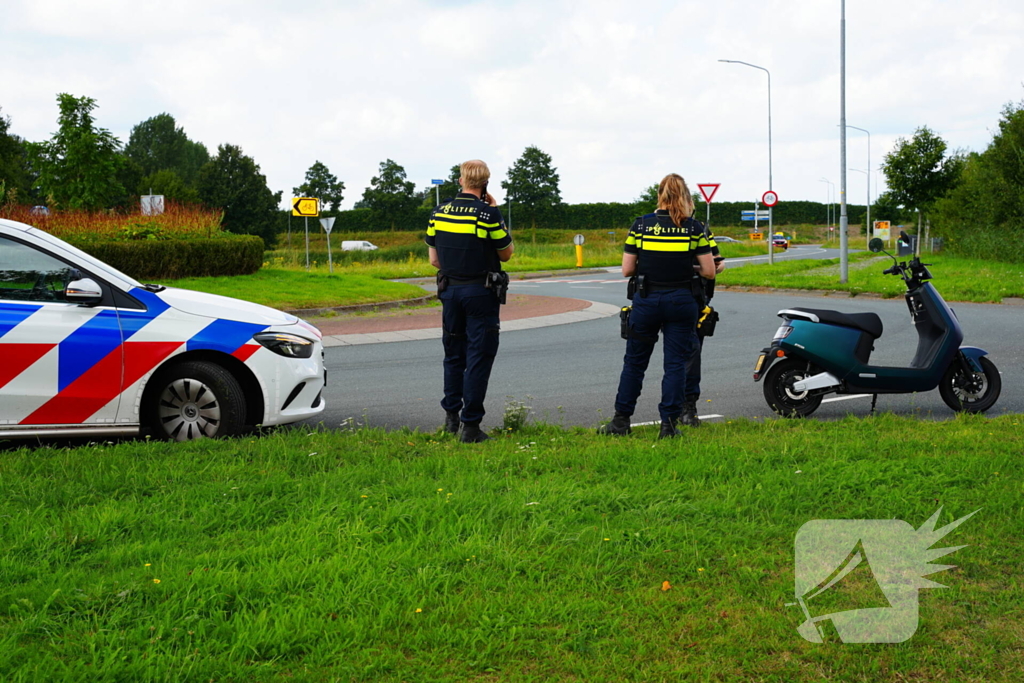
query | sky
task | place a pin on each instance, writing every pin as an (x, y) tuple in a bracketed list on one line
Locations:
[(618, 93)]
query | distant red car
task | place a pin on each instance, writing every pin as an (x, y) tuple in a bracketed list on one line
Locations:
[(780, 242)]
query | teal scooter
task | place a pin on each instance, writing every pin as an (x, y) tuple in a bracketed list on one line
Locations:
[(817, 352)]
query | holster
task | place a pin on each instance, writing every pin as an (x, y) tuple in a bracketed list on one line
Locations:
[(442, 282), (626, 332), (642, 285), (624, 314), (498, 283), (707, 322), (630, 289)]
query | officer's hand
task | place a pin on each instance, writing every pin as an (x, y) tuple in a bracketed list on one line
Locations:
[(489, 198), (719, 267)]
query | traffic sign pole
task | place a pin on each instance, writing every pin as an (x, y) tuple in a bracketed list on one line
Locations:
[(708, 196)]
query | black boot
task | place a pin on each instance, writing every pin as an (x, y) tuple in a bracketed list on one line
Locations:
[(689, 416), (668, 429), (619, 426), (451, 421), (471, 433)]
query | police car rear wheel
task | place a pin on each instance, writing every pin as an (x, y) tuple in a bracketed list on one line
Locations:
[(195, 400)]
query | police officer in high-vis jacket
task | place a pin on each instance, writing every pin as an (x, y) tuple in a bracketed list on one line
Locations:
[(661, 251), (468, 242)]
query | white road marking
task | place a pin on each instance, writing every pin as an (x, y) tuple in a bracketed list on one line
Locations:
[(844, 398), (658, 422)]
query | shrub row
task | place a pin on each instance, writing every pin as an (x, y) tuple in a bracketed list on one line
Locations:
[(171, 259), (596, 216)]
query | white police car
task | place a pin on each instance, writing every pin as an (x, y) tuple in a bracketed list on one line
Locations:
[(87, 350)]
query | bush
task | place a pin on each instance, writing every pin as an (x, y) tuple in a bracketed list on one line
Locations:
[(168, 259)]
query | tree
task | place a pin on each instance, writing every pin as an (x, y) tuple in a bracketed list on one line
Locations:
[(320, 182), (390, 195), (533, 184), (982, 216), (158, 144), (79, 167), (168, 183), (649, 195), (918, 171), (15, 180), (233, 183)]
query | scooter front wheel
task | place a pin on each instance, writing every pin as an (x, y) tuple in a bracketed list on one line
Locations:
[(779, 391), (971, 392)]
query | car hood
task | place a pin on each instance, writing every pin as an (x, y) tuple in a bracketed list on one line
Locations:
[(215, 306)]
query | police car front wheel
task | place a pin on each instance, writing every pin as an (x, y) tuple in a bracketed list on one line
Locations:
[(196, 399)]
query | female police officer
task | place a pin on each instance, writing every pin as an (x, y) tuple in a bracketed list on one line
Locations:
[(661, 251)]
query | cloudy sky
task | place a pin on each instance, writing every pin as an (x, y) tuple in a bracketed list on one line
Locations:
[(618, 93)]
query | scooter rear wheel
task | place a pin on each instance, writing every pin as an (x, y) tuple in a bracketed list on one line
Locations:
[(971, 392), (779, 392)]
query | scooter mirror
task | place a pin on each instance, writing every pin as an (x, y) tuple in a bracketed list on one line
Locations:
[(875, 245)]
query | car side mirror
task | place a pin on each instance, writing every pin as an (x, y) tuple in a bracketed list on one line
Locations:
[(85, 292), (876, 245)]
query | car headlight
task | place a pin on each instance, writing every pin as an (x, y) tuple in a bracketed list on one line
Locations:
[(288, 345)]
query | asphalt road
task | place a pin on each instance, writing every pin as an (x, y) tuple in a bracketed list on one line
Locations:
[(568, 374)]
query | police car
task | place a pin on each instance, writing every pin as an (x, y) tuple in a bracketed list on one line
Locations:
[(87, 350)]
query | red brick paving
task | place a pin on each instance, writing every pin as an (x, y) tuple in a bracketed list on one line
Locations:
[(518, 306)]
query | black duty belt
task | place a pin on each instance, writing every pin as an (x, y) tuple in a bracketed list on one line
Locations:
[(667, 286), (481, 280)]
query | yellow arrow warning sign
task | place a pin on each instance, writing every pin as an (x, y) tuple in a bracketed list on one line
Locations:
[(306, 206)]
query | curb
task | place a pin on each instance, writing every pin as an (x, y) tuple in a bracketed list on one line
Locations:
[(595, 311), (843, 294)]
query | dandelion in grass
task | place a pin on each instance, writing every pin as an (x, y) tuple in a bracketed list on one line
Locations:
[(148, 564), (156, 580), (700, 569), (418, 610)]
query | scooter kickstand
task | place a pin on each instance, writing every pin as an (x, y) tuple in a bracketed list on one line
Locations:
[(874, 399)]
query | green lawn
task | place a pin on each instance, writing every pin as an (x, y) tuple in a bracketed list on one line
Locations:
[(291, 289), (542, 556), (958, 279)]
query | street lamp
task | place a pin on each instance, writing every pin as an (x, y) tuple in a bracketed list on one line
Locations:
[(844, 259), (867, 223), (868, 173), (771, 226), (829, 194)]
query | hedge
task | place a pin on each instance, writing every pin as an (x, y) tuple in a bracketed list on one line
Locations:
[(171, 259), (595, 216)]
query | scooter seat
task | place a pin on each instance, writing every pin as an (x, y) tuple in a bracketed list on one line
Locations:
[(868, 322)]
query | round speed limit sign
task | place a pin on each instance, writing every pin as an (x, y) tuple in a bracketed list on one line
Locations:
[(769, 198)]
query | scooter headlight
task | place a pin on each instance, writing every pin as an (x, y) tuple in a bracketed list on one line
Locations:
[(283, 344)]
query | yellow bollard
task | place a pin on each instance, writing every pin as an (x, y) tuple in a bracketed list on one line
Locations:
[(579, 255)]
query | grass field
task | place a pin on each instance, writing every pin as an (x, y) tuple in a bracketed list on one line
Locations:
[(958, 279), (545, 555), (404, 255), (290, 289)]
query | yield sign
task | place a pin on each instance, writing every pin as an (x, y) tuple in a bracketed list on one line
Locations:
[(708, 190)]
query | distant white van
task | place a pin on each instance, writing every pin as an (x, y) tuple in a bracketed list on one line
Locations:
[(358, 245)]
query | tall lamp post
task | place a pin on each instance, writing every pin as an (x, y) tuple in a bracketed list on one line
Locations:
[(868, 173), (844, 238), (867, 223), (829, 194), (771, 225)]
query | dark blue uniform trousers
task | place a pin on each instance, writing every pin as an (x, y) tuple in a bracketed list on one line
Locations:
[(673, 313), (470, 335)]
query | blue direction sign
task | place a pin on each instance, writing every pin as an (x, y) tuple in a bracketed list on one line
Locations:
[(437, 181)]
